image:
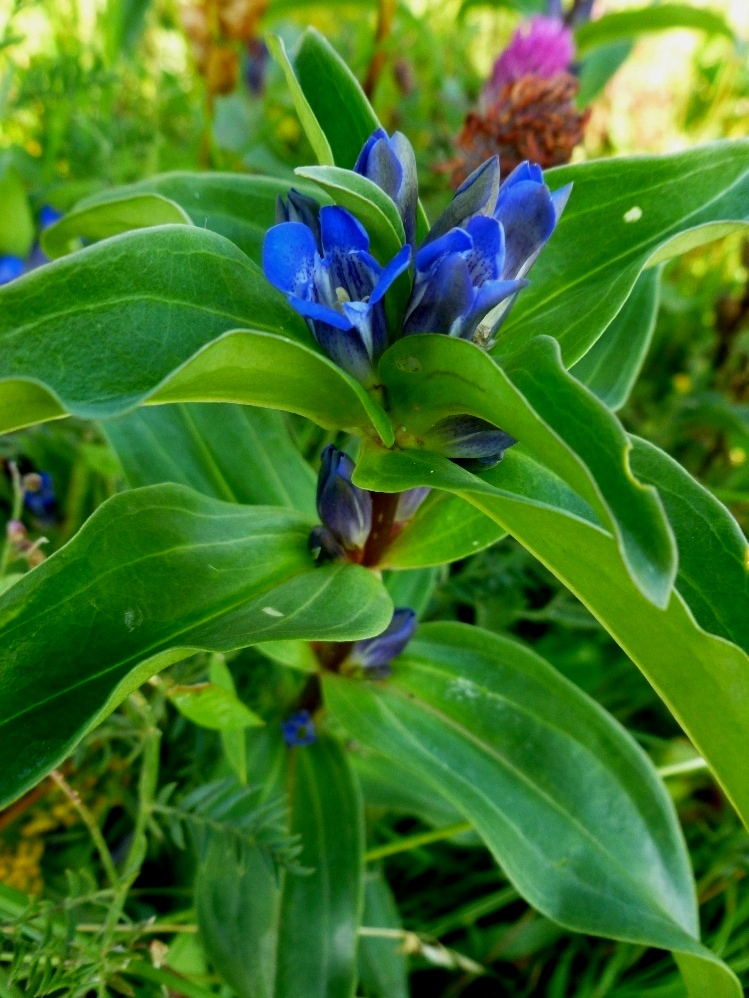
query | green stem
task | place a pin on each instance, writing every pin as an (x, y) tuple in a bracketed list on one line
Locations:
[(679, 768), (15, 514), (414, 841), (91, 824)]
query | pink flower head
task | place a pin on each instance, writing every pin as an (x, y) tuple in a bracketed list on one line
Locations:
[(542, 46)]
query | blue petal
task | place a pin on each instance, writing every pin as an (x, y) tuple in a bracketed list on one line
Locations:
[(468, 437), (444, 301), (491, 294), (476, 196), (526, 212), (397, 266), (408, 195), (319, 313), (454, 241), (486, 259), (344, 509), (348, 349), (11, 267), (524, 171), (363, 158), (341, 232), (289, 255), (409, 501), (560, 198)]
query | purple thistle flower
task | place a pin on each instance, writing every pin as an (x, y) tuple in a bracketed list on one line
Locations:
[(543, 47)]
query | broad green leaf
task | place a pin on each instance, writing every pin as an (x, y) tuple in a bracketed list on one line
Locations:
[(526, 7), (443, 529), (554, 417), (613, 364), (237, 911), (624, 215), (382, 963), (110, 218), (170, 315), (152, 576), (678, 657), (510, 742), (713, 552), (229, 452), (16, 221), (315, 134), (625, 24), (212, 706), (235, 205), (320, 914)]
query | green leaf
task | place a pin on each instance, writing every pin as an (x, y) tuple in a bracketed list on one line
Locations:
[(612, 365), (678, 657), (17, 227), (110, 218), (368, 202), (229, 452), (412, 588), (321, 913), (212, 706), (443, 529), (240, 207), (154, 575), (554, 417), (510, 742), (598, 68), (713, 552), (624, 24), (335, 98), (315, 134), (233, 741), (103, 303), (624, 215), (526, 7), (382, 963)]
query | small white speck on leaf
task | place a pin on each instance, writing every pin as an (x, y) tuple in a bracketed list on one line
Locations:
[(133, 618), (633, 215), (272, 612)]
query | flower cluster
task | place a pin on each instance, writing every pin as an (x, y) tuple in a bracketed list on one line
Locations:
[(467, 271)]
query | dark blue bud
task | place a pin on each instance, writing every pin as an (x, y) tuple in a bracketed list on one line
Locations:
[(345, 510), (468, 438), (390, 163), (298, 207), (11, 267), (298, 729), (39, 496), (256, 68), (477, 195), (374, 655)]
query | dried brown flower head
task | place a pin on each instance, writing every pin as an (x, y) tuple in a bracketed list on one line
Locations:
[(530, 118)]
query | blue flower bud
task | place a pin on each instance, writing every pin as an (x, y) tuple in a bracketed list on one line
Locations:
[(340, 293), (408, 502), (374, 655), (298, 729), (11, 267), (471, 441), (48, 216), (390, 163), (477, 195), (345, 510), (39, 496)]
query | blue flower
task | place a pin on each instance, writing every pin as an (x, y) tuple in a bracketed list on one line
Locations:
[(11, 267), (298, 207), (340, 293), (475, 259), (345, 509), (39, 496), (298, 729), (390, 163), (48, 216), (374, 655)]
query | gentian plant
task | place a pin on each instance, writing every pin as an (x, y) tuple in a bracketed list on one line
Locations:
[(464, 375)]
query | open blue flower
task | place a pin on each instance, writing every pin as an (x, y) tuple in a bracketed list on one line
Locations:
[(298, 729), (468, 276), (390, 163), (339, 292), (39, 496)]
